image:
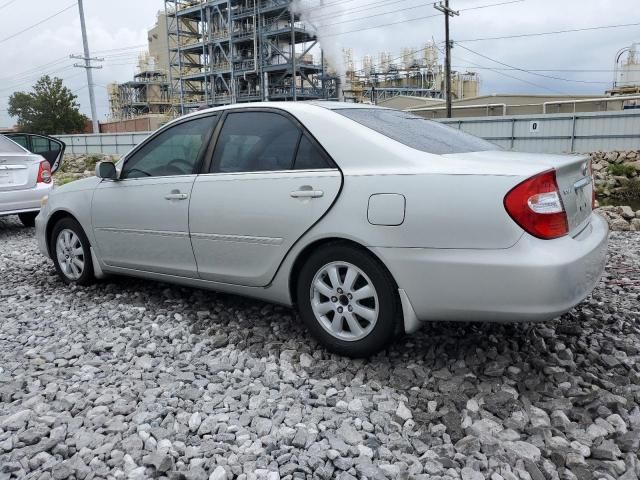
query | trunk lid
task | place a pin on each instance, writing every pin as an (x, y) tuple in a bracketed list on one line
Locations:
[(576, 190), (18, 171), (572, 174)]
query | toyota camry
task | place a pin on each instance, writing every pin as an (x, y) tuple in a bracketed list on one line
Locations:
[(369, 221)]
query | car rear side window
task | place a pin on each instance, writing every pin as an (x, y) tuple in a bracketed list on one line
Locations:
[(255, 142), (417, 132), (8, 146), (309, 156)]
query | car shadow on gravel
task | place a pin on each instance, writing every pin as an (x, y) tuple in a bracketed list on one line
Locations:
[(9, 228)]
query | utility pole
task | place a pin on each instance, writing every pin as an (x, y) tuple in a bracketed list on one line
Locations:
[(444, 8), (87, 65)]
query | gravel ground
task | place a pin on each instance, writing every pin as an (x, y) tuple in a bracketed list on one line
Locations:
[(131, 379)]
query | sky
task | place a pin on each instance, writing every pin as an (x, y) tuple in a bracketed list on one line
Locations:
[(117, 31)]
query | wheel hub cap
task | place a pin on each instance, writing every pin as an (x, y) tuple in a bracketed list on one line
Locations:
[(344, 301), (70, 254)]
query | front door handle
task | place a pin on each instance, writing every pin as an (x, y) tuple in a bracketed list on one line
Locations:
[(176, 196), (307, 194)]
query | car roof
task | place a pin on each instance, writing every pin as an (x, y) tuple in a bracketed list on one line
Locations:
[(287, 106)]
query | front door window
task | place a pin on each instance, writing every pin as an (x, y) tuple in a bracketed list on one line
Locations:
[(175, 151)]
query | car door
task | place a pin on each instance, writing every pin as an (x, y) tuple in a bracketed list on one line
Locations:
[(268, 183), (50, 148), (140, 221)]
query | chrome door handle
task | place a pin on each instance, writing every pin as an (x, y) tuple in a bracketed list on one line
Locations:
[(307, 194), (176, 196)]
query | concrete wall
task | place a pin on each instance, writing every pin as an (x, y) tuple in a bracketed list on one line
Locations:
[(110, 144)]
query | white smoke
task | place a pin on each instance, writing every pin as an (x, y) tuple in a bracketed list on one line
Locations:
[(316, 17)]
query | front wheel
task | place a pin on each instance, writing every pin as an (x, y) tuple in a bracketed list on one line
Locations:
[(71, 252), (348, 301)]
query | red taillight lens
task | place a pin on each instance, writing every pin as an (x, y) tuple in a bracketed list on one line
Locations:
[(536, 206), (44, 172)]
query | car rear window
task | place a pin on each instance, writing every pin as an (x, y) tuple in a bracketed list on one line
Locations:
[(9, 146), (417, 132)]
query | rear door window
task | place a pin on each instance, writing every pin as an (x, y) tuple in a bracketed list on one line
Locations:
[(417, 132), (309, 156), (40, 145), (256, 142)]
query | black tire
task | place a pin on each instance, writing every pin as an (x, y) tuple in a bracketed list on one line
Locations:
[(383, 331), (28, 219), (86, 277)]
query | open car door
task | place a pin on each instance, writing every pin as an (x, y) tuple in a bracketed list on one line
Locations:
[(50, 148)]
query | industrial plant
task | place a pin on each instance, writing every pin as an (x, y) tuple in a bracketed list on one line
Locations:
[(204, 54), (241, 51), (416, 73)]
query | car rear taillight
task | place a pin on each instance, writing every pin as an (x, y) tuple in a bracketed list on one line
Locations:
[(536, 206), (44, 172)]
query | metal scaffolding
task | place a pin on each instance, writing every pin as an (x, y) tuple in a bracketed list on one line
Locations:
[(148, 93), (229, 51)]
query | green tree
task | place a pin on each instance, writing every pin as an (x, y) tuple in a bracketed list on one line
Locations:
[(50, 109)]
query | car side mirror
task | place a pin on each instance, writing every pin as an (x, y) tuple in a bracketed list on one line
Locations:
[(106, 170)]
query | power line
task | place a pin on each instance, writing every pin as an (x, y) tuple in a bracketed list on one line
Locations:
[(41, 74), (529, 71), (419, 18), (132, 47), (359, 8), (385, 3), (513, 77), (7, 4), (37, 69), (31, 27), (566, 70), (539, 34)]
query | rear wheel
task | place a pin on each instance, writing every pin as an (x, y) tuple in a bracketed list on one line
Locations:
[(348, 301), (28, 219), (71, 252)]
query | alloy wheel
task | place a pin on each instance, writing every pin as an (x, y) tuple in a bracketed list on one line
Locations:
[(344, 301), (70, 254)]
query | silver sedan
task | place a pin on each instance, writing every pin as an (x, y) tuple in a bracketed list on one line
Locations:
[(370, 221), (25, 177)]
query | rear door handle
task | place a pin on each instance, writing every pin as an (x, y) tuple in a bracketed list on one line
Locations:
[(307, 194), (176, 196)]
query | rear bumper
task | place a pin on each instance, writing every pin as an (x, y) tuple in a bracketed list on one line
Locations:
[(533, 280), (21, 201)]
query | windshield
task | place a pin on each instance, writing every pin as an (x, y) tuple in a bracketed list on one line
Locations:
[(417, 132), (9, 146)]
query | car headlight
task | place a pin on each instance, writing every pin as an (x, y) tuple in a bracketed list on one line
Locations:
[(44, 201)]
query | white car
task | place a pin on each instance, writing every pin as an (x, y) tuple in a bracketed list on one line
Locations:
[(369, 220), (25, 177)]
